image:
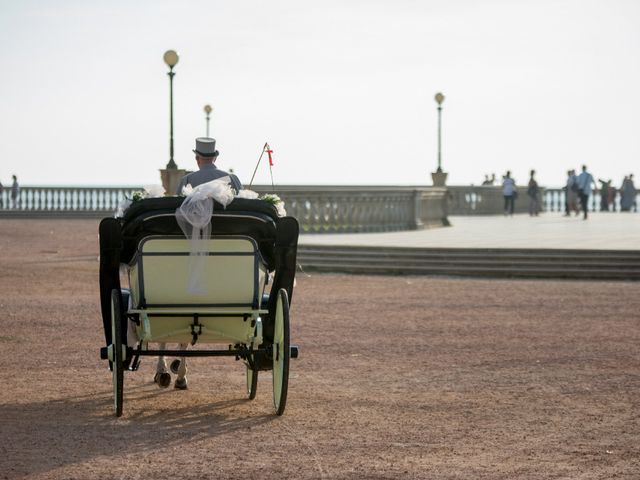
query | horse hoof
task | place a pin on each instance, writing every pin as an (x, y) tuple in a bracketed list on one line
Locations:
[(181, 384), (162, 379), (175, 366)]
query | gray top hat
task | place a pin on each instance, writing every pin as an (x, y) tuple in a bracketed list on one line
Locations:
[(206, 147)]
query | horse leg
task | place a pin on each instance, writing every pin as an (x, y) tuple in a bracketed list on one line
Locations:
[(162, 376), (181, 370)]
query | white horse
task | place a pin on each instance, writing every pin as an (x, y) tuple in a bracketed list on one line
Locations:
[(178, 367)]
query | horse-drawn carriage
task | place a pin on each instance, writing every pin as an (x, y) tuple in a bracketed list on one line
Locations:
[(235, 304)]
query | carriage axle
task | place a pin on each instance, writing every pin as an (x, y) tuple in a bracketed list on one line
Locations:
[(236, 352)]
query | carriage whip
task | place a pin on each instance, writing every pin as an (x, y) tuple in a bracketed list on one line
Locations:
[(266, 148)]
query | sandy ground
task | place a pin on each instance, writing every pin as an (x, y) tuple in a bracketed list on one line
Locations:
[(399, 377)]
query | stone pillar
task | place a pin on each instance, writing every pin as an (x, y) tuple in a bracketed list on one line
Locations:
[(430, 207), (439, 178), (171, 179)]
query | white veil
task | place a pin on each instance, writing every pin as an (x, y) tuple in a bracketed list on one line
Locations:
[(194, 218)]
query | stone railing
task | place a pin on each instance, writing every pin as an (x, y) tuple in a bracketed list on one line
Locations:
[(317, 208), (363, 209), (483, 200), (488, 200), (554, 201), (65, 200)]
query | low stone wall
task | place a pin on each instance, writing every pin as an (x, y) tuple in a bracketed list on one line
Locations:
[(317, 208), (363, 208), (488, 200)]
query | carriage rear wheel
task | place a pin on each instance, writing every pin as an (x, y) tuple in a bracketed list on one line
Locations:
[(252, 382), (117, 355), (281, 352)]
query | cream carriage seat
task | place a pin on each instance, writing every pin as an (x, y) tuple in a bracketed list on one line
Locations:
[(226, 305)]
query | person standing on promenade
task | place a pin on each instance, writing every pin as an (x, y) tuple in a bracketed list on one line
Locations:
[(570, 193), (509, 192), (604, 194), (585, 181), (627, 194), (613, 193), (533, 190), (206, 155), (15, 193)]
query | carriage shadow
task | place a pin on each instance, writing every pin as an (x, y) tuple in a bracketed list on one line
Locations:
[(52, 434)]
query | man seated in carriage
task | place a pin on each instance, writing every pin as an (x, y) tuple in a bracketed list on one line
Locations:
[(206, 155)]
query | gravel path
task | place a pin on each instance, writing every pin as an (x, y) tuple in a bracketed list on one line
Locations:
[(398, 377)]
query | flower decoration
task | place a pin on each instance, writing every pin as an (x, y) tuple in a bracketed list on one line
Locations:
[(275, 200)]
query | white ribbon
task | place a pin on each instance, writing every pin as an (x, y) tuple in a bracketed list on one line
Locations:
[(194, 218)]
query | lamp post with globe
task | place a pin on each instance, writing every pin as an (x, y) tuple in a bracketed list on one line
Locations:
[(207, 111), (439, 177), (171, 59), (171, 174)]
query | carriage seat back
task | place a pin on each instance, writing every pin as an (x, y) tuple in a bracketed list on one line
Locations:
[(234, 274)]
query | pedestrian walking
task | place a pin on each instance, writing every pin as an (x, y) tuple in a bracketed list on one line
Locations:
[(585, 182), (510, 193), (15, 193), (533, 191)]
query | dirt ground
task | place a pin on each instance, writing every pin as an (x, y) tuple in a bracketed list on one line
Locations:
[(398, 377)]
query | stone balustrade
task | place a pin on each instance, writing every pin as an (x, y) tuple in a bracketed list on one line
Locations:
[(488, 200), (318, 208), (363, 209), (65, 200)]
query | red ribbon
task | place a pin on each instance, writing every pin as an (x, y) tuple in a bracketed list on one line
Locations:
[(269, 152)]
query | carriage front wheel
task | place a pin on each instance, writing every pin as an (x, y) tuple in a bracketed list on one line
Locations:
[(117, 356), (281, 352)]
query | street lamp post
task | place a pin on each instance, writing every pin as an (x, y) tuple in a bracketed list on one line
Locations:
[(439, 177), (171, 174), (207, 110), (171, 59)]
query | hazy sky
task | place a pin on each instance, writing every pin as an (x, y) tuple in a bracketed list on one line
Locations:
[(342, 90)]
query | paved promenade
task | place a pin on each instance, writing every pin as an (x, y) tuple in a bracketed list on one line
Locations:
[(602, 231)]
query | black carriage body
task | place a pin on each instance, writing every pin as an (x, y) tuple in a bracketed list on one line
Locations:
[(276, 237)]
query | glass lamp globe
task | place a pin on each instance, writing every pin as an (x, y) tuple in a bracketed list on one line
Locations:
[(171, 58)]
